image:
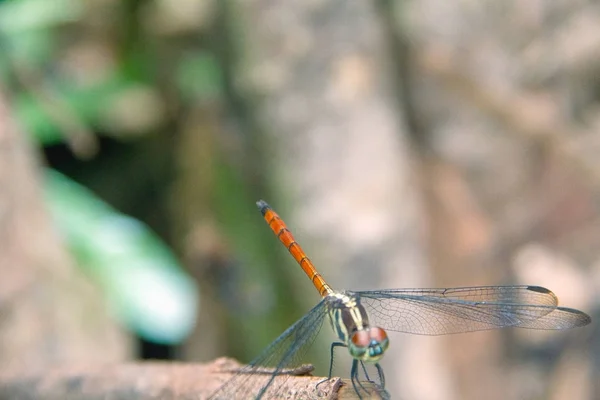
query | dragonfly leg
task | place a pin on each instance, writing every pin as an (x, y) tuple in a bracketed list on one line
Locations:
[(358, 385), (381, 375), (362, 364), (333, 346), (354, 378)]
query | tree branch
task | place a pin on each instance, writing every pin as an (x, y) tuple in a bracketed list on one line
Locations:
[(152, 380)]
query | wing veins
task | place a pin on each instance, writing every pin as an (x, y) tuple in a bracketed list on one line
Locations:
[(278, 355), (446, 311)]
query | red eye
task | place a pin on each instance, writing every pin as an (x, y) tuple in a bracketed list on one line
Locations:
[(361, 338), (378, 334)]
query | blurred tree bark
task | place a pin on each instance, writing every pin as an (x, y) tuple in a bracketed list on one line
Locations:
[(318, 75), (505, 177), (490, 155), (49, 313), (197, 232)]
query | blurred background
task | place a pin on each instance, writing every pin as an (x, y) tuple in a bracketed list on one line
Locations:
[(406, 143)]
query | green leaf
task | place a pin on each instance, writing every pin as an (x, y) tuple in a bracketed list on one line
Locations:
[(144, 283)]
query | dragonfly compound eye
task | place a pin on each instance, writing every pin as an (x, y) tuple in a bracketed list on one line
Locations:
[(368, 344), (378, 335)]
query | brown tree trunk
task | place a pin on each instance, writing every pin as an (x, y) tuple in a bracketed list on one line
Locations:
[(318, 74), (49, 312)]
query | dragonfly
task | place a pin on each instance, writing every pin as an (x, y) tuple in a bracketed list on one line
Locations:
[(437, 311)]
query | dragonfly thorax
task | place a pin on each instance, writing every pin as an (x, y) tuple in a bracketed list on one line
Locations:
[(350, 322)]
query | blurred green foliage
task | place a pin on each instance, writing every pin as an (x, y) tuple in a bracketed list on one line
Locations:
[(149, 73), (145, 284), (147, 288)]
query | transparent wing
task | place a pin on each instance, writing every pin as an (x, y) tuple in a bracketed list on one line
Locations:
[(446, 311), (267, 372)]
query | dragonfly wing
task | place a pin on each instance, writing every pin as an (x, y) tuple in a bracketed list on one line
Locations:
[(446, 311), (559, 318), (267, 372)]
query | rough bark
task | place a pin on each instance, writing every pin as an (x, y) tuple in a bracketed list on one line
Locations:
[(49, 313), (152, 380)]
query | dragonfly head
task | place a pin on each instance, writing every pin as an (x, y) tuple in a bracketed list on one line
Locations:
[(368, 344)]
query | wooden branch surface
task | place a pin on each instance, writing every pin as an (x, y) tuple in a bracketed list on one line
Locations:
[(150, 380)]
